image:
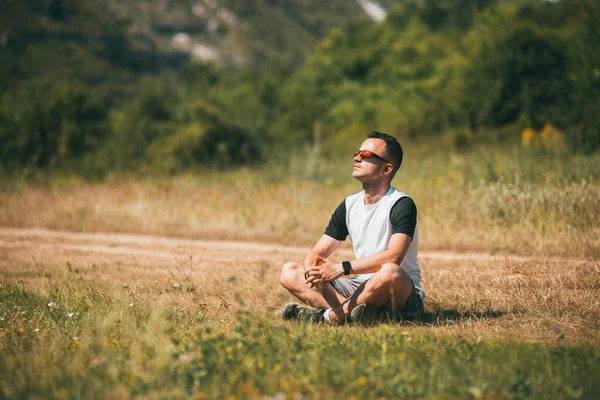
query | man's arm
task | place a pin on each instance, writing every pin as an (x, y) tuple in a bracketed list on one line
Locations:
[(397, 248), (323, 249), (403, 217), (335, 233)]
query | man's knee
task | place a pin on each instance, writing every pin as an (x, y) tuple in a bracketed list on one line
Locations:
[(392, 275), (288, 273)]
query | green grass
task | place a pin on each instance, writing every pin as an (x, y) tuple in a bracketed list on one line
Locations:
[(118, 329), (108, 348)]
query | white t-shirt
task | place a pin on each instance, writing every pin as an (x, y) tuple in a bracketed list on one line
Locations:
[(370, 227)]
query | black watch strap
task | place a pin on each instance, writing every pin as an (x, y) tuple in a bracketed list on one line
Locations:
[(346, 265)]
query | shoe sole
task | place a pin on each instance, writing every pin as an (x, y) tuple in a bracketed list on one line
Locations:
[(366, 314), (286, 315)]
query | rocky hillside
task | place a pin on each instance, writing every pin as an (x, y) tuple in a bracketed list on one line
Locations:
[(239, 31), (229, 31)]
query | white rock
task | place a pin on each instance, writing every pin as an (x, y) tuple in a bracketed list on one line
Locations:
[(373, 9)]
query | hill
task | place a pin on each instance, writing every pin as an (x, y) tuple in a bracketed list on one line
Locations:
[(91, 40), (239, 32), (112, 86)]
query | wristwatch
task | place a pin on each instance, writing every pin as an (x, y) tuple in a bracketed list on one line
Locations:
[(346, 265)]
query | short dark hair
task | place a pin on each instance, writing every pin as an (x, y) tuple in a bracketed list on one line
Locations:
[(393, 150)]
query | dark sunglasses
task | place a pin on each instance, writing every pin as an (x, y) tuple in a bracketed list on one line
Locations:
[(366, 154)]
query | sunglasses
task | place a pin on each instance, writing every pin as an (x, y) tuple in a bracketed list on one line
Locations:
[(366, 154)]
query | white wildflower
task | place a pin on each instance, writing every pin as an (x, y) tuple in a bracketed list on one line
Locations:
[(99, 361), (186, 357)]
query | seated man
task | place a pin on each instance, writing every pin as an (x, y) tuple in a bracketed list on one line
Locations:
[(382, 224)]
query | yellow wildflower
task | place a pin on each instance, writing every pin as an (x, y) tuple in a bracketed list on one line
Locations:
[(363, 380), (527, 137), (551, 136)]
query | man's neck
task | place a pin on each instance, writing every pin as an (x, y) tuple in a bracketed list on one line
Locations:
[(374, 192)]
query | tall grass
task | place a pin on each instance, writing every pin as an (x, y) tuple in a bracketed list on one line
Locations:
[(77, 320), (499, 200), (85, 342)]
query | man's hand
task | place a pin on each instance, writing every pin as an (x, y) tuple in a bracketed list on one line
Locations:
[(324, 271), (316, 259)]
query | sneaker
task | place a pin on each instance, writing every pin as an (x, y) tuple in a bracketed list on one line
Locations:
[(367, 314), (290, 311), (312, 315)]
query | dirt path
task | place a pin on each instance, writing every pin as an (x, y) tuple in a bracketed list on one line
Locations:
[(162, 246), (491, 295)]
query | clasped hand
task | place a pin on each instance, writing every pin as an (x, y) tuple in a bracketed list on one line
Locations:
[(323, 270)]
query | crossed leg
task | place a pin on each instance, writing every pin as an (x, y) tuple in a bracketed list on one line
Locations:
[(319, 296), (390, 287)]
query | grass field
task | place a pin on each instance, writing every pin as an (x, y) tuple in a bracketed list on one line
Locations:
[(494, 201), (125, 316), (512, 309)]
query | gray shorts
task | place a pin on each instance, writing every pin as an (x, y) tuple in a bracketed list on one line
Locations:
[(346, 287), (414, 305)]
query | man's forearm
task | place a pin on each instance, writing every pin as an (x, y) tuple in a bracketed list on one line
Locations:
[(373, 263), (397, 249), (311, 259)]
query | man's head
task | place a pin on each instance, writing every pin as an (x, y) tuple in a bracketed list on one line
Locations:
[(381, 160)]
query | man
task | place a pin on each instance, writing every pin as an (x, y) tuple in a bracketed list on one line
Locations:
[(382, 224)]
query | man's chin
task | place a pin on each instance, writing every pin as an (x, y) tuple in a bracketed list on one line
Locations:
[(357, 176)]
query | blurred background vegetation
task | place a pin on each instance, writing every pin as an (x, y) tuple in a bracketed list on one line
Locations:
[(167, 87)]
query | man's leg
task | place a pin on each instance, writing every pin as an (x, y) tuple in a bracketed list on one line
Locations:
[(390, 287), (325, 296)]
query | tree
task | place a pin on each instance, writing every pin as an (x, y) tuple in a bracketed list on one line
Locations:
[(45, 124)]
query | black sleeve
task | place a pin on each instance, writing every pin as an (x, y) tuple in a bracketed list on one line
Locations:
[(403, 216), (337, 228)]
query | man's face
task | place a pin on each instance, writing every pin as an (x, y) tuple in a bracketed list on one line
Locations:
[(371, 169)]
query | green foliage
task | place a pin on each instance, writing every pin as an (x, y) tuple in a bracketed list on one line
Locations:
[(440, 15), (439, 66), (472, 69), (69, 40), (159, 132), (136, 125), (583, 127), (515, 74), (47, 124)]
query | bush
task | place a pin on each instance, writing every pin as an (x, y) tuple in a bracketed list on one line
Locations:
[(205, 140), (135, 125), (47, 124)]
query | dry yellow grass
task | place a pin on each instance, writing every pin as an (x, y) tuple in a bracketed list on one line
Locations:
[(194, 309), (546, 300), (525, 219)]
